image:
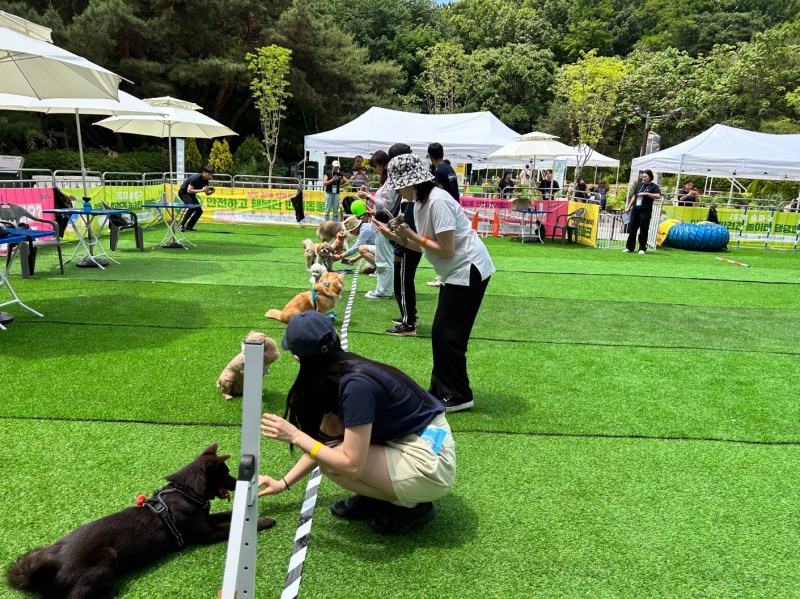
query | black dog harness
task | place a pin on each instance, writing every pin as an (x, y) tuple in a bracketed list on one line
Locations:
[(160, 509)]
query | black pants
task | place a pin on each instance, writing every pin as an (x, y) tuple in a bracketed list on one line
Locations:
[(405, 291), (190, 217), (455, 314), (640, 221)]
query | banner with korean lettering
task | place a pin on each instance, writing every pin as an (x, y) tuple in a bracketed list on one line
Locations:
[(748, 227), (587, 227), (258, 205)]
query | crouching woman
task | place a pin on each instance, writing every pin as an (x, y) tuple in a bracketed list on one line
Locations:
[(369, 427)]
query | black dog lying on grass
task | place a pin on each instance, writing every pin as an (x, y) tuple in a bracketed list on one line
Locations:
[(83, 563)]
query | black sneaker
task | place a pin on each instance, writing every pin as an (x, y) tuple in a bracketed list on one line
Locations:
[(401, 520), (453, 405), (402, 330), (399, 320), (359, 507)]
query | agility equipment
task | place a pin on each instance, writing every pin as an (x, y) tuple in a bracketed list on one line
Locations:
[(239, 579), (703, 237), (731, 261)]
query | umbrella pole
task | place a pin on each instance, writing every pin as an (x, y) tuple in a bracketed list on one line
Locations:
[(169, 130), (80, 153)]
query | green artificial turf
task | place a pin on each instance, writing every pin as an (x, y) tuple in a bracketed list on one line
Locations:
[(636, 429)]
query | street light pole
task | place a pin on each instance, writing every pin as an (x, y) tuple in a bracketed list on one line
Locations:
[(646, 133)]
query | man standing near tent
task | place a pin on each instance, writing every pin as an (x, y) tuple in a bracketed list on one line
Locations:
[(188, 194), (547, 187), (333, 180)]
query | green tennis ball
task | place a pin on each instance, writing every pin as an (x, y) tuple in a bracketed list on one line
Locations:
[(358, 208)]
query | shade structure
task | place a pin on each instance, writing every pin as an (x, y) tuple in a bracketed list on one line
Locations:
[(174, 122), (728, 152), (20, 25), (534, 145), (126, 105), (463, 136), (171, 102), (31, 67)]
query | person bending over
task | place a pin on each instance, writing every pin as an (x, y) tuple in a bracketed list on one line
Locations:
[(188, 194), (368, 426)]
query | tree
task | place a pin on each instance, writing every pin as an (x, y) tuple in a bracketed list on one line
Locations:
[(221, 160), (250, 158), (588, 28), (270, 67), (445, 83), (194, 161), (590, 90)]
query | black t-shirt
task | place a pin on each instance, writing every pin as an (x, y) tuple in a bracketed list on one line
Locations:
[(197, 181), (447, 178), (647, 201), (548, 189), (334, 186), (377, 398), (503, 185)]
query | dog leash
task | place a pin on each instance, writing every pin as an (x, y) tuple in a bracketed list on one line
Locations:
[(291, 587)]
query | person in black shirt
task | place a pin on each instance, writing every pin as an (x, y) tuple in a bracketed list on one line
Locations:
[(188, 195), (443, 172), (333, 181), (368, 426), (548, 189), (688, 195), (580, 190), (641, 204), (506, 185)]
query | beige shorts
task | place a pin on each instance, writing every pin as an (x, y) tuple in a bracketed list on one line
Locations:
[(418, 474)]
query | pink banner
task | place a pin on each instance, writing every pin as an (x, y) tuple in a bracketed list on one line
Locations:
[(34, 200), (555, 207)]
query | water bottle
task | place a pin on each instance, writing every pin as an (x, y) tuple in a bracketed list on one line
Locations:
[(87, 205), (541, 206)]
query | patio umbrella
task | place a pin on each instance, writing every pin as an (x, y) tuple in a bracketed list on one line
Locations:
[(39, 32), (534, 145), (171, 102), (31, 67), (177, 122), (126, 105)]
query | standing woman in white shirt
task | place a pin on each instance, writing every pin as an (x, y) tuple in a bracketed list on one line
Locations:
[(460, 260)]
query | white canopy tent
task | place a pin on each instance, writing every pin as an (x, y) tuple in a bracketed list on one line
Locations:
[(596, 159), (464, 136), (728, 152)]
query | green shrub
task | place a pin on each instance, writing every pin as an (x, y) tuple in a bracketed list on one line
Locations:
[(194, 161), (97, 160), (221, 160), (250, 158)]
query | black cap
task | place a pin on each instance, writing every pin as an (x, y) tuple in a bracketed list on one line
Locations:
[(399, 148), (310, 333)]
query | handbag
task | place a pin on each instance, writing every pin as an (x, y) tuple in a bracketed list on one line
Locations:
[(626, 218)]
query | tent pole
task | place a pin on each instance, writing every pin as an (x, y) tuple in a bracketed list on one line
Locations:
[(80, 152), (730, 192)]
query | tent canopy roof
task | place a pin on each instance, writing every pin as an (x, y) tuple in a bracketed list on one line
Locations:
[(728, 152), (463, 136)]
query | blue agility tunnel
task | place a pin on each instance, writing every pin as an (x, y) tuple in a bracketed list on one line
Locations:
[(706, 237)]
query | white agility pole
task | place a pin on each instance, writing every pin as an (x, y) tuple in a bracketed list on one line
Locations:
[(291, 588), (239, 579)]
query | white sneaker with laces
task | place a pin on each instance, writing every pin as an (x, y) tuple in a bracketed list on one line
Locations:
[(373, 295), (434, 283), (626, 251), (641, 252)]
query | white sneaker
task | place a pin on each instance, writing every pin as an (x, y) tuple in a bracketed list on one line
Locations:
[(434, 283), (373, 295), (626, 251), (641, 252)]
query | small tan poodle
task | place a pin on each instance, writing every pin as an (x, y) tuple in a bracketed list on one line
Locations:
[(231, 381)]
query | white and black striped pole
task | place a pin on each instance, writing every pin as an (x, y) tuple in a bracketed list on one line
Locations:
[(291, 588)]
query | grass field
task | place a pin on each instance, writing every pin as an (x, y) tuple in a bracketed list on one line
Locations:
[(636, 430)]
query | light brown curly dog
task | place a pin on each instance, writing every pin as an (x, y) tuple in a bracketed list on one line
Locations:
[(231, 381), (328, 291)]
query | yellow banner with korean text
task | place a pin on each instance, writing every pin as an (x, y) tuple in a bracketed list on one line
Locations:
[(587, 227), (257, 205), (748, 227)]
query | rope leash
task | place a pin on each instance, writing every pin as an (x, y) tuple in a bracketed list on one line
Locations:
[(291, 588)]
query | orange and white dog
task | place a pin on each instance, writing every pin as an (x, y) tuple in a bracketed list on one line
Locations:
[(322, 298)]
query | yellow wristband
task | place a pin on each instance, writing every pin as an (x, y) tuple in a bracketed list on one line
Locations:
[(313, 453)]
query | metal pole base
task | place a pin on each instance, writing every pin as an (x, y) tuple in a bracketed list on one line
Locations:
[(6, 318), (92, 263), (173, 245)]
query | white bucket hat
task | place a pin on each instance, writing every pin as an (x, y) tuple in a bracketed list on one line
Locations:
[(406, 170)]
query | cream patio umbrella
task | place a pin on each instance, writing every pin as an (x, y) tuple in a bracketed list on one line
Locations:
[(174, 122), (126, 105), (35, 68), (39, 32), (534, 145)]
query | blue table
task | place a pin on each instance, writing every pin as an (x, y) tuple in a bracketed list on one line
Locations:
[(88, 240), (174, 237), (534, 228), (23, 238)]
